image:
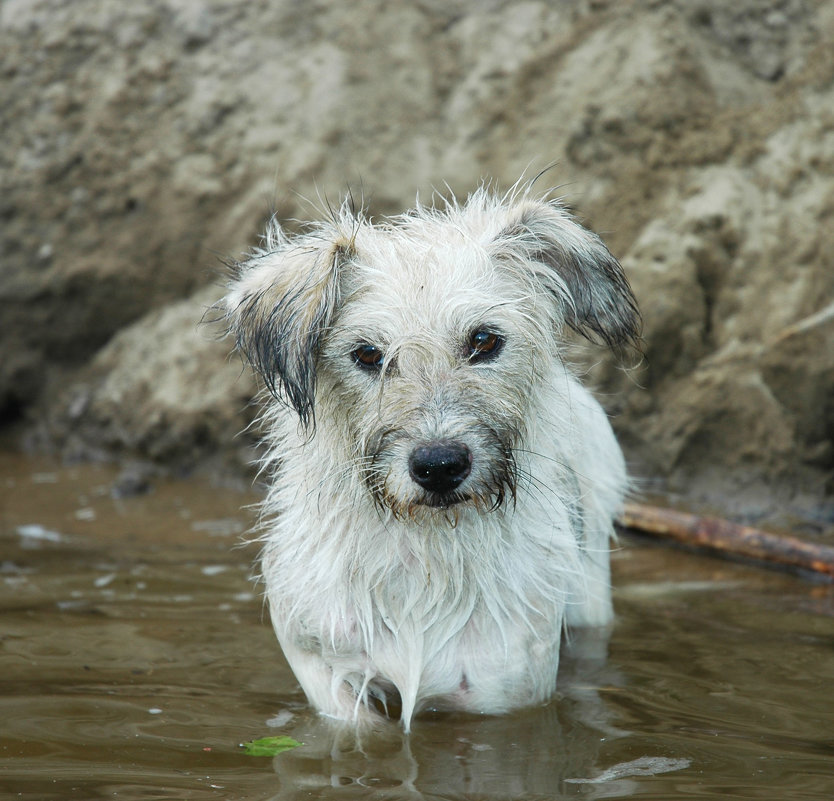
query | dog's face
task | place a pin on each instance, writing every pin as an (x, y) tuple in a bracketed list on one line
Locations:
[(413, 348), (427, 366)]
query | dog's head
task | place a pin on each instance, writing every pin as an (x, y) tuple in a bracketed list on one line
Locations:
[(419, 341)]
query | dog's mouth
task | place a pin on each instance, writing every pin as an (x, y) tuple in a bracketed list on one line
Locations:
[(449, 504), (442, 501)]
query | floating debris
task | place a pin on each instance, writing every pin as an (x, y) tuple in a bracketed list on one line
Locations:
[(281, 719), (36, 532), (644, 766), (270, 746)]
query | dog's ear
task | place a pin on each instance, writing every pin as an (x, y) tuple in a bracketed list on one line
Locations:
[(280, 302), (577, 268)]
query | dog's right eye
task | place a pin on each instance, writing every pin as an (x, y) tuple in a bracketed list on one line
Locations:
[(368, 356)]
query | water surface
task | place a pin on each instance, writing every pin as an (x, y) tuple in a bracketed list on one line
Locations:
[(135, 658)]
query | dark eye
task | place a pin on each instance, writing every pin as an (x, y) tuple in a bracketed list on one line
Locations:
[(367, 356), (484, 345)]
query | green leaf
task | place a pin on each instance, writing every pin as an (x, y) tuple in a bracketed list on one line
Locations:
[(269, 746)]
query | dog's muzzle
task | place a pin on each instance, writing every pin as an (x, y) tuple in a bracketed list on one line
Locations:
[(440, 467)]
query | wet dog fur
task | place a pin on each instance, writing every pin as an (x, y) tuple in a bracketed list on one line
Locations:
[(442, 487)]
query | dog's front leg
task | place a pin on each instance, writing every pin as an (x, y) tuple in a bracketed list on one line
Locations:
[(323, 689), (591, 606), (341, 693)]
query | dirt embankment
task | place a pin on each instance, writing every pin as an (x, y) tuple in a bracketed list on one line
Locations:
[(141, 140)]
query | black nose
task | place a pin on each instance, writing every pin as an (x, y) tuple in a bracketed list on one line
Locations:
[(440, 466)]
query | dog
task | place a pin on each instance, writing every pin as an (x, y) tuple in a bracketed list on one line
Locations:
[(442, 487)]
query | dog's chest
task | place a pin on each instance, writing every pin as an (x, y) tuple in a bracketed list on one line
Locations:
[(446, 624), (491, 663), (465, 656)]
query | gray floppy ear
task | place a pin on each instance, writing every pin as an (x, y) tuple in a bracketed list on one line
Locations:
[(279, 304), (578, 269)]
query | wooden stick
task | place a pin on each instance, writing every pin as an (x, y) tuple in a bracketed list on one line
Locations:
[(723, 536)]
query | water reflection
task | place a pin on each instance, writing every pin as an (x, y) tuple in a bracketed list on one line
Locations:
[(527, 754)]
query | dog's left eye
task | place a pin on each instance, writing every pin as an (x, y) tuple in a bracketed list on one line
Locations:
[(368, 356), (484, 345)]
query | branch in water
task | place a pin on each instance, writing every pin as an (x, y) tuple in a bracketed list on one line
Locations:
[(728, 538)]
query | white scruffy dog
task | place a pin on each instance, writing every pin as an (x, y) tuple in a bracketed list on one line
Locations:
[(442, 486)]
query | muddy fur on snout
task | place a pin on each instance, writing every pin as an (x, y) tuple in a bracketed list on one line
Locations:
[(433, 339)]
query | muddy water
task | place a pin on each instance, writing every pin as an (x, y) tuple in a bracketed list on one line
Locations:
[(135, 658)]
